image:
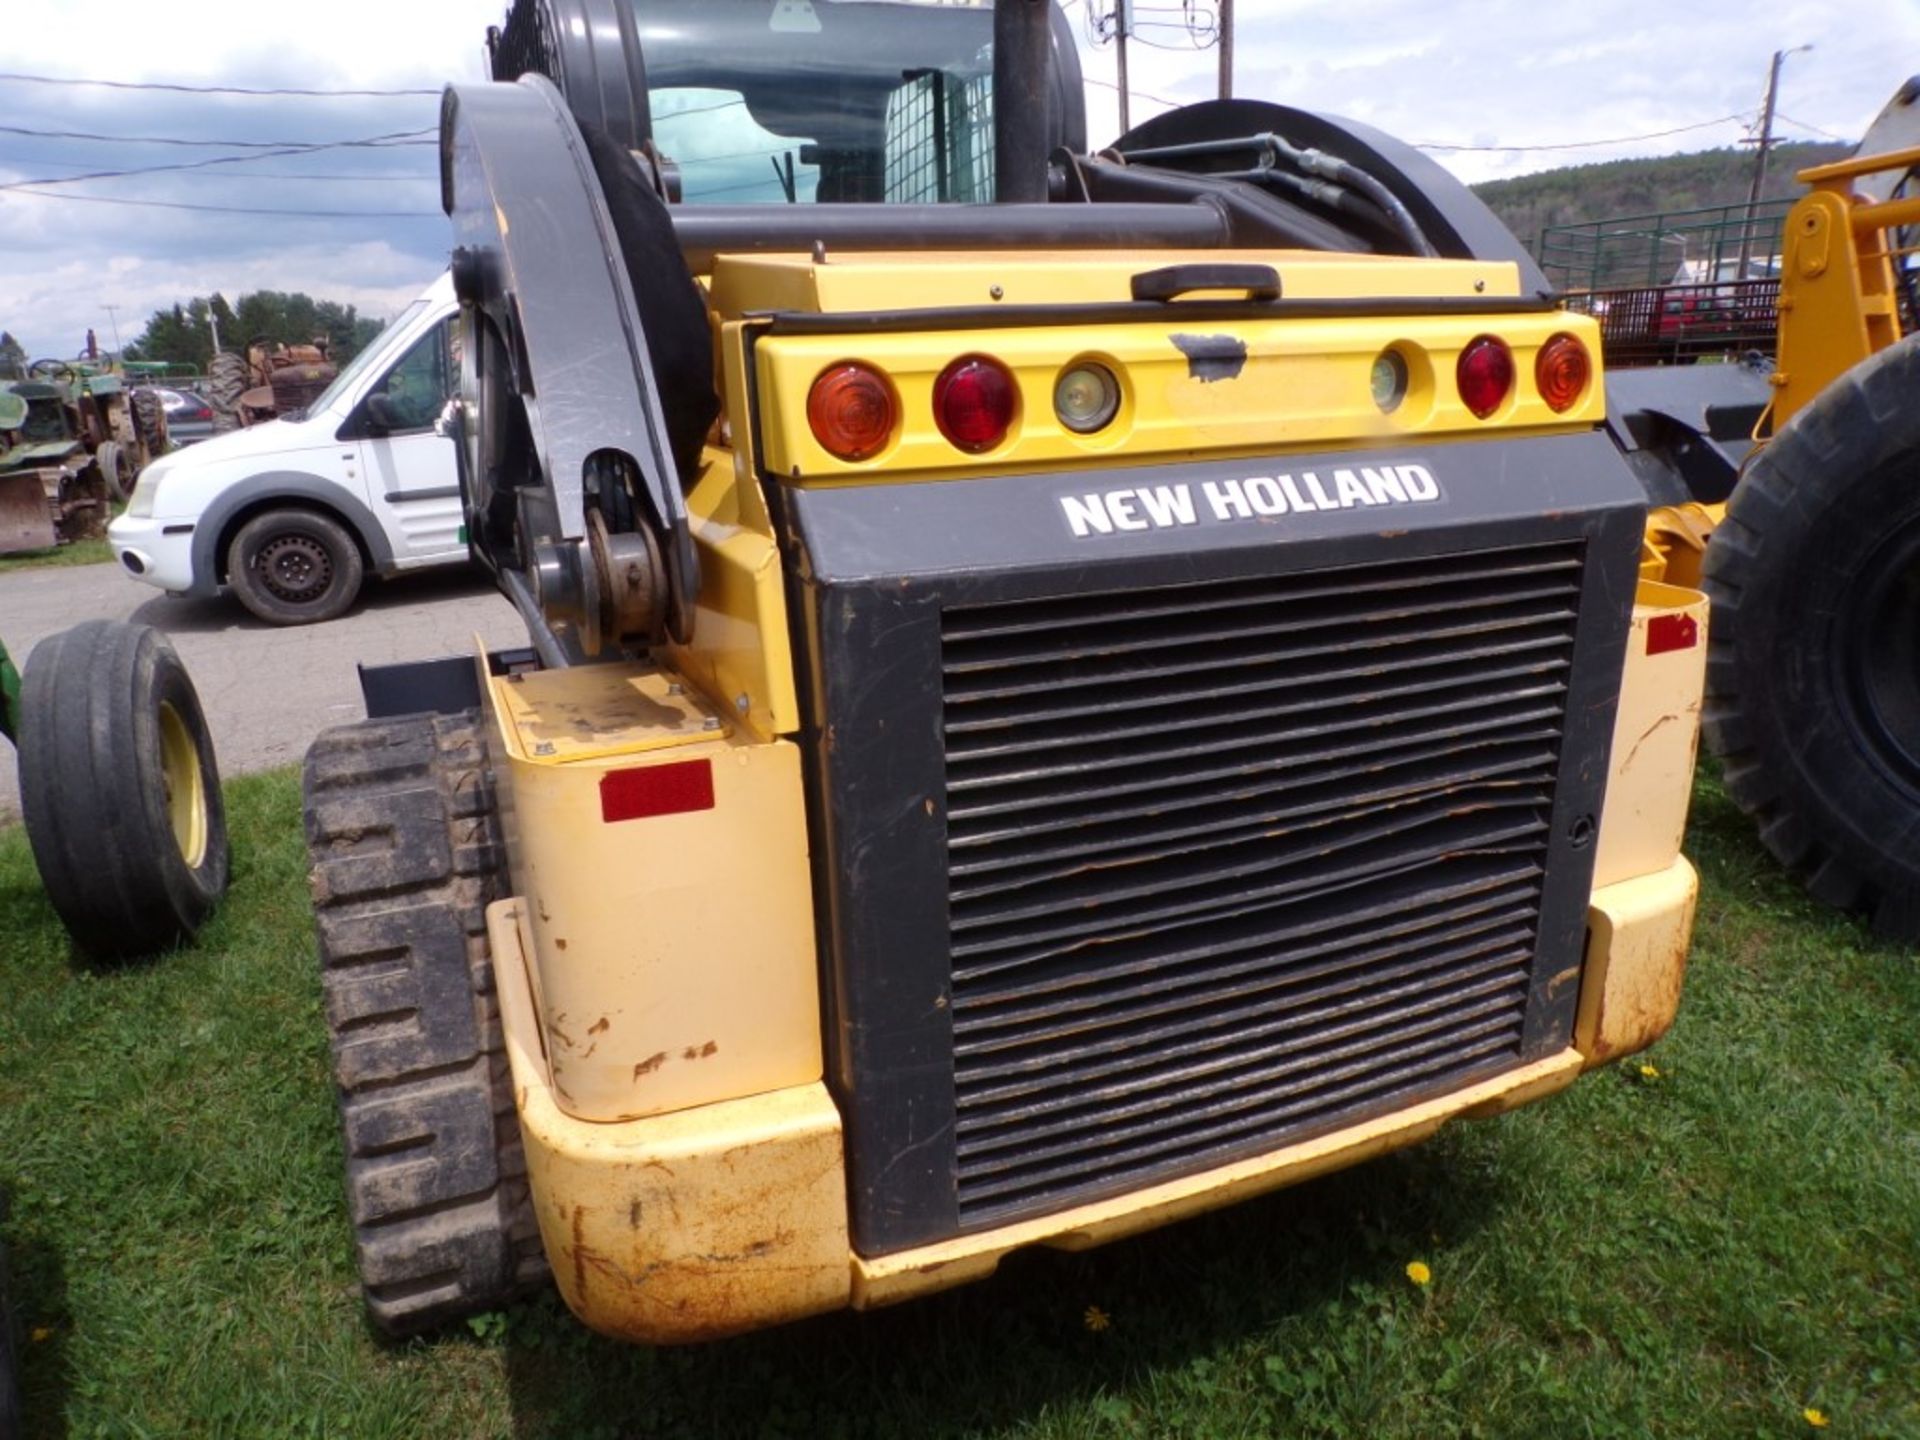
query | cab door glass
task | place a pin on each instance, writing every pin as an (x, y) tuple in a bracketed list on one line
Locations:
[(411, 395)]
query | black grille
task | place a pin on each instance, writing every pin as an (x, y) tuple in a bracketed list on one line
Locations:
[(1233, 862)]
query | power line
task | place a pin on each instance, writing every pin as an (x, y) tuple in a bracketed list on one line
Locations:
[(1136, 92), (1803, 125), (195, 89), (375, 142), (1589, 144), (422, 177), (242, 209), (400, 137)]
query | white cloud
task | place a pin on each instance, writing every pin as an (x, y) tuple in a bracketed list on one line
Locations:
[(1498, 72)]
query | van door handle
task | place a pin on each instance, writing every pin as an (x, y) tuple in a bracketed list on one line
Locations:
[(1261, 282)]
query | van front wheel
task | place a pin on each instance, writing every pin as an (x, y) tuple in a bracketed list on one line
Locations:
[(294, 567)]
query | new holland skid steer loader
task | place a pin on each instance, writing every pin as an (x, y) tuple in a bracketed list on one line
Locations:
[(1041, 717)]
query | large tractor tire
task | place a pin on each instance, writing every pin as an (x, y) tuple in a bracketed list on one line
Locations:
[(227, 381), (1813, 663), (112, 465), (406, 857), (149, 422), (119, 789)]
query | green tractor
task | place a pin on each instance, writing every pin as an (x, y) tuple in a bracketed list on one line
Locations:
[(73, 435)]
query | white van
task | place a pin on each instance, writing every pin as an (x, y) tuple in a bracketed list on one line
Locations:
[(291, 515)]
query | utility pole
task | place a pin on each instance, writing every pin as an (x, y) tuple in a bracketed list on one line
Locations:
[(1122, 23), (1760, 160), (114, 318), (1226, 49)]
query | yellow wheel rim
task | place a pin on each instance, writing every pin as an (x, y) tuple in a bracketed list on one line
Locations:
[(186, 787)]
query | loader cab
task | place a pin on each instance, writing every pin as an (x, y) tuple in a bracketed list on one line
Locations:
[(801, 102)]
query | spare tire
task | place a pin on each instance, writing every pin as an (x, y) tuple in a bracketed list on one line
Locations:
[(119, 789), (1813, 661)]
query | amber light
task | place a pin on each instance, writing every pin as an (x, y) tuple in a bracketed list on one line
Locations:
[(1485, 375), (852, 412), (1562, 372), (974, 401)]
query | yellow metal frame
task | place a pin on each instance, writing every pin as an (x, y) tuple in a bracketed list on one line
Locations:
[(1304, 382), (722, 1207), (658, 984), (733, 1215), (686, 1226), (673, 958), (1656, 736), (1838, 301)]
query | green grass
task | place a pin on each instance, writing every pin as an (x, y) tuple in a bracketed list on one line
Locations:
[(80, 552), (1705, 1253)]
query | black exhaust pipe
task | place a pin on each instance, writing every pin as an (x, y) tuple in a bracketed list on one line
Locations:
[(1022, 40)]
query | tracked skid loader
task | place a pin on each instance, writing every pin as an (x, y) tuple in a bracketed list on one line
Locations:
[(1063, 689)]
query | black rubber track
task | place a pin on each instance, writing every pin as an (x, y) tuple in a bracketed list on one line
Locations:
[(93, 789), (406, 857), (1813, 693)]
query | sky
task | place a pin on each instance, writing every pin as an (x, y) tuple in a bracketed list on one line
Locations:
[(1586, 81)]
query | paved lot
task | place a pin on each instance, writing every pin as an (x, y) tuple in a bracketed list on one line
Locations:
[(267, 692)]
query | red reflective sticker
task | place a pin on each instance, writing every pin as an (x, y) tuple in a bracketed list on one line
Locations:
[(1672, 632), (656, 790)]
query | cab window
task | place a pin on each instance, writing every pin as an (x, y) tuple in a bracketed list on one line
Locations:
[(411, 395)]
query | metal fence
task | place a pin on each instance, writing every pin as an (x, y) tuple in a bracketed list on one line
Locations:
[(1680, 324), (1699, 246)]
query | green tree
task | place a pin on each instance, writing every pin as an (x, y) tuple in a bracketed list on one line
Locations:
[(184, 333), (13, 356)]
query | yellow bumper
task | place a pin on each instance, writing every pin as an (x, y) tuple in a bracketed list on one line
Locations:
[(733, 1216)]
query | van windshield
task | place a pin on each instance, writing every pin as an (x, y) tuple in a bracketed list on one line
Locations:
[(354, 368)]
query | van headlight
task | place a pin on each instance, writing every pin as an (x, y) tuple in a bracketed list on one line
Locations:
[(145, 489)]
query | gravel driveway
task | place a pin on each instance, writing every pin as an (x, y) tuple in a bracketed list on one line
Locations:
[(267, 692)]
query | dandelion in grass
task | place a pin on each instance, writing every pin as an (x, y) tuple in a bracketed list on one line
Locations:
[(1419, 1274), (1816, 1418), (42, 1333), (1649, 1072), (1097, 1319)]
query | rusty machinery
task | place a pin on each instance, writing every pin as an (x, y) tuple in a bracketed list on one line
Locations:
[(69, 447), (269, 380), (1040, 718)]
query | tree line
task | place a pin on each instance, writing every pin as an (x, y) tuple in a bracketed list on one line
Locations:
[(183, 334)]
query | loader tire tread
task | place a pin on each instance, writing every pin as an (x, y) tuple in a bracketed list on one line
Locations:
[(1833, 791), (406, 856)]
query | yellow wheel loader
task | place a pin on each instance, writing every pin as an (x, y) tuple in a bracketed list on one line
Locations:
[(1064, 689), (1802, 521)]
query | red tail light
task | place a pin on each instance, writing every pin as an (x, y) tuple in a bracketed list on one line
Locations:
[(1562, 372), (852, 412), (1485, 375), (974, 401)]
